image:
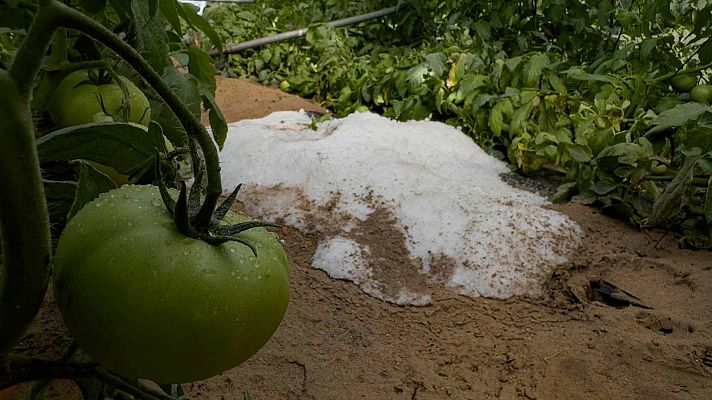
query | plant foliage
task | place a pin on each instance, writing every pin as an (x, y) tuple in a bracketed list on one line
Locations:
[(582, 87)]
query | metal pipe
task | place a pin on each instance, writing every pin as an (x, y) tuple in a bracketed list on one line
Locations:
[(235, 48)]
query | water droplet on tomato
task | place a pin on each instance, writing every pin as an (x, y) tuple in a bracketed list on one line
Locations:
[(156, 202)]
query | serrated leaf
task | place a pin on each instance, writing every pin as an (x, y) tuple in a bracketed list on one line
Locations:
[(92, 183), (152, 38), (122, 146)]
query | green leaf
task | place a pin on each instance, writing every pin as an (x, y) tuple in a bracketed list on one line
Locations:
[(190, 15), (646, 47), (697, 136), (604, 187), (483, 29), (667, 207), (563, 192), (533, 69), (579, 152), (122, 146), (626, 153), (496, 116), (152, 39), (169, 11), (217, 120), (469, 85), (186, 87), (200, 65), (680, 114), (705, 52), (557, 84), (436, 62), (92, 183), (578, 73)]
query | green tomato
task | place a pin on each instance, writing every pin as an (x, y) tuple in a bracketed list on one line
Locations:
[(76, 101), (683, 82), (145, 301), (701, 93)]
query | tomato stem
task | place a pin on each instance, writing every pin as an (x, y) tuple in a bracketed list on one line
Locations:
[(70, 18), (25, 230)]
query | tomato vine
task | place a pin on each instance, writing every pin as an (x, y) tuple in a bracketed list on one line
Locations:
[(27, 237)]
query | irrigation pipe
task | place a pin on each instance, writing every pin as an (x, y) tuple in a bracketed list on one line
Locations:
[(250, 44)]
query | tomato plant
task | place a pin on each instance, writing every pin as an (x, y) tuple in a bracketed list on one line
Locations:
[(78, 99), (145, 301), (595, 92), (220, 286)]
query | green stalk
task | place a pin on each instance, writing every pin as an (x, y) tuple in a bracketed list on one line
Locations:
[(687, 71), (24, 220), (70, 18)]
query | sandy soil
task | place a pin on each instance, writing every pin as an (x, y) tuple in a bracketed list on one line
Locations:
[(338, 343)]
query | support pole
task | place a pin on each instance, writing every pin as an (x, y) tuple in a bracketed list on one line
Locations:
[(250, 44)]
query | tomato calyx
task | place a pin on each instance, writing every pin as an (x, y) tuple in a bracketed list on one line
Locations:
[(186, 208)]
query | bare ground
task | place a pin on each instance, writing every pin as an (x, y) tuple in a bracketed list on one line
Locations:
[(338, 343)]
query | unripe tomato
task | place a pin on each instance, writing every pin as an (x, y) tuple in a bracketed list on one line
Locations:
[(76, 101), (683, 82), (701, 93), (145, 301)]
